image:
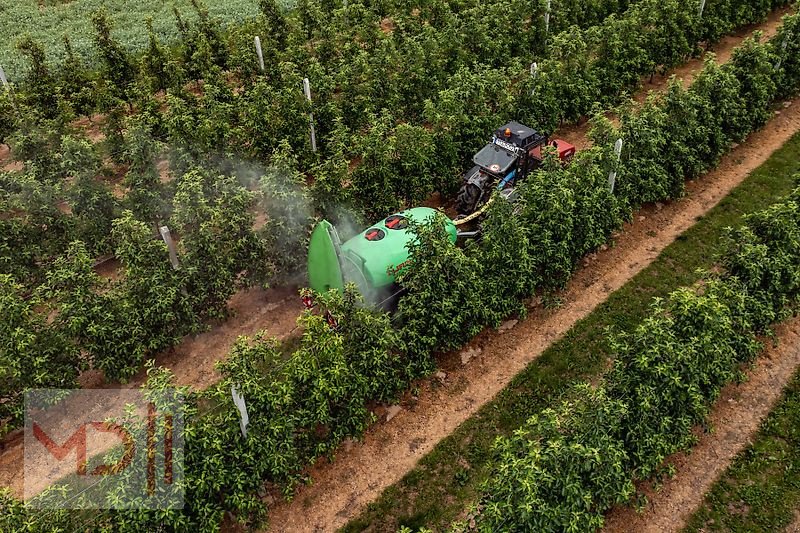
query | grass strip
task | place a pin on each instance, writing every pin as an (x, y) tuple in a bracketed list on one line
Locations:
[(760, 490), (447, 479)]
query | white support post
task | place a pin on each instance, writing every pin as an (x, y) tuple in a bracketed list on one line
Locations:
[(307, 90), (612, 176), (534, 74), (4, 79), (547, 17), (702, 8), (260, 54), (238, 401), (783, 50), (173, 254)]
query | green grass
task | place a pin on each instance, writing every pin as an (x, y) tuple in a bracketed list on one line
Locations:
[(761, 489), (448, 479), (47, 21)]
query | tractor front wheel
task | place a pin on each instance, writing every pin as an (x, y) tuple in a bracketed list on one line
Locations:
[(467, 200)]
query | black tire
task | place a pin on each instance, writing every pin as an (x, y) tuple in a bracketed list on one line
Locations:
[(467, 200)]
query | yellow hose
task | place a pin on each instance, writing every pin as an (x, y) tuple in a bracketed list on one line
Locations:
[(474, 215)]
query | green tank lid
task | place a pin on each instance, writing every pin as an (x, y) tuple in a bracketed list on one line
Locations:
[(379, 253)]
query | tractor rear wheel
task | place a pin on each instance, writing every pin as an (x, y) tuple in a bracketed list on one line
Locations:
[(467, 200)]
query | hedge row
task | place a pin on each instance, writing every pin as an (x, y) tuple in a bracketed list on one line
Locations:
[(566, 466)]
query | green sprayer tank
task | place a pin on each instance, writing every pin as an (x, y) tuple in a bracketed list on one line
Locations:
[(372, 259)]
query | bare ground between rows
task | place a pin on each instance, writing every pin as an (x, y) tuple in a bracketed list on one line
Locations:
[(735, 420), (342, 489), (794, 527)]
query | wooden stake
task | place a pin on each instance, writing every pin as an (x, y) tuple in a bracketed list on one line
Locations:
[(547, 17), (238, 401), (612, 176)]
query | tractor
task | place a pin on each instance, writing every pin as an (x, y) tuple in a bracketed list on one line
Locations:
[(514, 151), (375, 257)]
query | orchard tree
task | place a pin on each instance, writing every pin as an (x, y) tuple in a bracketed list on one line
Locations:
[(562, 469), (33, 354), (117, 64), (548, 218), (507, 272), (76, 81), (753, 65), (442, 307), (220, 251), (285, 201), (144, 196), (92, 202), (39, 83)]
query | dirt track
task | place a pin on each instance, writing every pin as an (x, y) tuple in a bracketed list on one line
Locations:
[(735, 420)]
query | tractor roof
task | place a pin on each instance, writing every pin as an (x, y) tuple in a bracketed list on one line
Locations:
[(521, 135), (494, 158)]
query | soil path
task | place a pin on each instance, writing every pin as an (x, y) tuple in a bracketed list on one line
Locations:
[(794, 527), (735, 420), (389, 450)]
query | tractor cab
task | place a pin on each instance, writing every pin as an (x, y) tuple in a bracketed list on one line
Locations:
[(509, 152), (514, 151)]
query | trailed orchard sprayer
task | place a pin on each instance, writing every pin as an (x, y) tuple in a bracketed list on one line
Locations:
[(376, 256), (372, 259)]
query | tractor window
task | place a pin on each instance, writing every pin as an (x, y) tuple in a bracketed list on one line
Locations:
[(495, 159), (374, 234), (396, 222)]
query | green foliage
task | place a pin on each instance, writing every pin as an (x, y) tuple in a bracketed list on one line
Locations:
[(212, 214), (548, 219), (285, 200), (144, 197), (672, 368), (753, 65), (763, 255), (34, 230), (506, 265), (93, 205), (41, 87), (441, 308), (156, 309), (32, 353), (118, 67), (562, 469)]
